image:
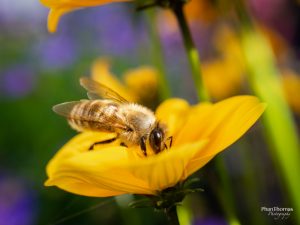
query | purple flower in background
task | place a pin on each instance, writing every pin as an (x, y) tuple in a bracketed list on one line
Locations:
[(173, 43), (57, 51), (17, 82), (26, 15), (28, 10), (112, 28), (174, 50), (17, 202), (210, 221), (279, 14), (118, 30)]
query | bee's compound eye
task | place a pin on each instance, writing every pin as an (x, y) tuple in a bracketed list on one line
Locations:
[(155, 139)]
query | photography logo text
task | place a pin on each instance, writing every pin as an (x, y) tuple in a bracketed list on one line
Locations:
[(277, 212)]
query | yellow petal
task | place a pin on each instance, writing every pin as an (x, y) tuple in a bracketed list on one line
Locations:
[(61, 7), (197, 163), (291, 85), (80, 143), (173, 113), (102, 168), (77, 4), (76, 186), (232, 72), (143, 82), (191, 129), (229, 120), (223, 123), (101, 73), (167, 168), (54, 17)]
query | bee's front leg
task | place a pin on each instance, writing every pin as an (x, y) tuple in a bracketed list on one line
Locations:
[(102, 142), (143, 145), (171, 141)]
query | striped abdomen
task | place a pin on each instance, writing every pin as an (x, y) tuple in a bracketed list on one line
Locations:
[(96, 115)]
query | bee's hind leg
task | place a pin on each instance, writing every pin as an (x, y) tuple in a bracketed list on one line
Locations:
[(123, 144), (102, 142)]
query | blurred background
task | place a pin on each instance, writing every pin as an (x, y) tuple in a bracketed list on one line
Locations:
[(39, 70)]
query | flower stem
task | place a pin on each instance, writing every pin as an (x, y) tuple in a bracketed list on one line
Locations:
[(192, 53), (194, 60), (251, 180), (172, 215), (279, 126), (225, 193), (157, 55)]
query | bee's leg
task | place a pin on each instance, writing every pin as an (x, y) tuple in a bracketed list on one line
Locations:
[(102, 142), (123, 144), (143, 145), (171, 141), (165, 146)]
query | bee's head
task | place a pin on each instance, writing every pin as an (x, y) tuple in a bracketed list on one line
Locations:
[(156, 138)]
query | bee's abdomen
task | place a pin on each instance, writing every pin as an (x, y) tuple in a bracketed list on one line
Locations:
[(92, 115)]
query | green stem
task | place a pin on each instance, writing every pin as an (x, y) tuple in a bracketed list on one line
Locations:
[(226, 195), (157, 56), (192, 53), (225, 192), (185, 216), (172, 215), (251, 181), (279, 126)]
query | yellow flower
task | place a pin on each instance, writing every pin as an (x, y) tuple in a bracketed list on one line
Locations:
[(196, 11), (200, 10), (199, 133), (60, 7), (224, 76), (291, 87), (140, 84)]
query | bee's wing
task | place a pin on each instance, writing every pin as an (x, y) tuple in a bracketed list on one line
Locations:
[(64, 109), (97, 90), (107, 122)]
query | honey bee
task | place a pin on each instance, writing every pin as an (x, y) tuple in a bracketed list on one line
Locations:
[(107, 111)]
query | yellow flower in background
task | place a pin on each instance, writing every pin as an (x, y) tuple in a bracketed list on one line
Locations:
[(222, 79), (203, 10), (195, 11), (291, 87), (279, 46), (60, 7), (224, 76), (139, 85), (199, 133)]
